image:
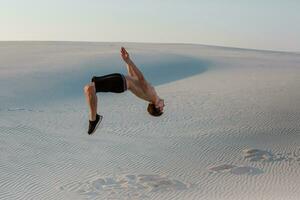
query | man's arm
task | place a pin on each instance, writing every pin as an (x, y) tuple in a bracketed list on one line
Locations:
[(130, 71), (137, 73), (149, 93), (131, 67), (125, 56)]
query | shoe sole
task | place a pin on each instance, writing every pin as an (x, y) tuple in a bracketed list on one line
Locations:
[(100, 120)]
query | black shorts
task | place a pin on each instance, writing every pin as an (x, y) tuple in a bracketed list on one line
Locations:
[(110, 83)]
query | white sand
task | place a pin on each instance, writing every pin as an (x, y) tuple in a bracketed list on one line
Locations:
[(231, 129)]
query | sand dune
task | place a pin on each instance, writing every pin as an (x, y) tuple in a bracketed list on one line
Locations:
[(230, 131)]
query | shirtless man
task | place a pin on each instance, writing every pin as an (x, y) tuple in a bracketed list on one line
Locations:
[(118, 83)]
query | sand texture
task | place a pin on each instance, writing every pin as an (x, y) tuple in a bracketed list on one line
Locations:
[(231, 127)]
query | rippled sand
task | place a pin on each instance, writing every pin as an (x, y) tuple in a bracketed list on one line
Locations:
[(231, 129)]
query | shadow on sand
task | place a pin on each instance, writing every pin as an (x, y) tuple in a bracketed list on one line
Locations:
[(41, 87)]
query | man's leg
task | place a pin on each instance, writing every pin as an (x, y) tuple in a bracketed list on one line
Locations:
[(91, 98)]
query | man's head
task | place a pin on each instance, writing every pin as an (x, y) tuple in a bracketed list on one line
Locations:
[(153, 110), (157, 108)]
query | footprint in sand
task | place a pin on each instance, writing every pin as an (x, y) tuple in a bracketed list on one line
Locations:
[(246, 170), (255, 155), (262, 155), (129, 185), (236, 170)]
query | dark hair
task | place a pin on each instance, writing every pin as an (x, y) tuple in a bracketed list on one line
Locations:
[(153, 110)]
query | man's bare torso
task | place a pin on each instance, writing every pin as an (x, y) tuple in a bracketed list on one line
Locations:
[(141, 89)]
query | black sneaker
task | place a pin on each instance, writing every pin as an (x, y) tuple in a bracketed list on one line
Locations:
[(93, 125)]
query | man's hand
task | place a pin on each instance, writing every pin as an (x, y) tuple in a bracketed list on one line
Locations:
[(160, 104), (124, 54)]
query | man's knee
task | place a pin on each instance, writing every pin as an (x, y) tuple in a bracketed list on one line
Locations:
[(89, 88)]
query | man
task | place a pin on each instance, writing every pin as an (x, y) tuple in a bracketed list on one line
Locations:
[(118, 83)]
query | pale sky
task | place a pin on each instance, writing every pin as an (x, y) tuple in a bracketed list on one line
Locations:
[(258, 24)]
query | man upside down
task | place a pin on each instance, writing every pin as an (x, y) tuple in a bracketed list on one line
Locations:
[(118, 83)]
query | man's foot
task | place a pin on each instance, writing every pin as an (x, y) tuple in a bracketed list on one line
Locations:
[(93, 125)]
